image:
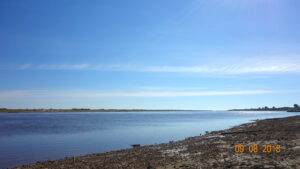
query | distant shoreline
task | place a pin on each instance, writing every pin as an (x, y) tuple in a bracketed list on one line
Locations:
[(83, 110), (296, 108), (287, 110), (44, 110)]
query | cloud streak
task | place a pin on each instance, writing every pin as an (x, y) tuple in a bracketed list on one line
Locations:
[(231, 65), (95, 94), (279, 68)]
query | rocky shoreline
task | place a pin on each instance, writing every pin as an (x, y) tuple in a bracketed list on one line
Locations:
[(212, 150)]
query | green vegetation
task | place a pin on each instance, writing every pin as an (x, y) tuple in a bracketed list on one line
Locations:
[(296, 108)]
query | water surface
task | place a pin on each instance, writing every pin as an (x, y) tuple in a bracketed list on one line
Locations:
[(29, 137)]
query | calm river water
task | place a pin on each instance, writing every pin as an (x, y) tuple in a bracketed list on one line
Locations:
[(29, 137)]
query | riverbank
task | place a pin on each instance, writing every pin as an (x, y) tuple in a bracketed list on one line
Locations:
[(212, 150)]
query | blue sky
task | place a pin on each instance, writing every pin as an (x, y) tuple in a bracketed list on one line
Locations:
[(171, 54)]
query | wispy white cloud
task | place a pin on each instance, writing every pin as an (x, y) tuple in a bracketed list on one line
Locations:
[(24, 66), (280, 68), (62, 67), (96, 94), (225, 66), (170, 88), (224, 69)]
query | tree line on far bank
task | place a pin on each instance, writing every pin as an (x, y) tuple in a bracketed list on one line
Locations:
[(295, 108)]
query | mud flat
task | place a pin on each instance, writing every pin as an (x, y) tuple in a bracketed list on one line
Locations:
[(212, 150)]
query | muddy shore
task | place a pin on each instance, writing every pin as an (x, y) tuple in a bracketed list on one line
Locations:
[(212, 150)]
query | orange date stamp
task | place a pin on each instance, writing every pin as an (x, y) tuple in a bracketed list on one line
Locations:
[(256, 148)]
